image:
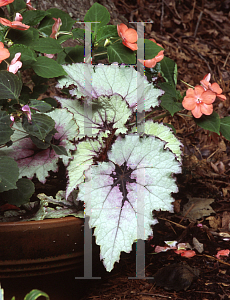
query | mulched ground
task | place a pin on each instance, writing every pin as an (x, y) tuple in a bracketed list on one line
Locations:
[(196, 35)]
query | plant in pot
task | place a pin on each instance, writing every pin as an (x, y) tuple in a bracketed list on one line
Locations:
[(32, 295), (119, 166)]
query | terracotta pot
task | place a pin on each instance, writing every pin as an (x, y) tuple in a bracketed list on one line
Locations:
[(41, 247)]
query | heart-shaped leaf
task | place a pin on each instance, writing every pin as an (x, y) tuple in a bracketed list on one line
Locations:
[(121, 194)]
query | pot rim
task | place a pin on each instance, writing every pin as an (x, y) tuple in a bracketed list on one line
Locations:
[(68, 219)]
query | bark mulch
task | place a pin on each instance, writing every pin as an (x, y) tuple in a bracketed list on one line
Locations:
[(196, 35)]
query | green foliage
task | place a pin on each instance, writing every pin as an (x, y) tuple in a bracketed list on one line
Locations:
[(71, 55), (33, 17), (19, 4), (27, 37), (60, 150), (47, 67), (51, 46), (21, 195), (41, 106), (168, 69), (106, 32), (10, 85), (149, 48), (46, 24), (78, 33), (211, 123), (34, 295), (121, 54), (225, 127), (98, 14), (28, 55), (169, 100), (6, 131), (8, 179), (39, 126)]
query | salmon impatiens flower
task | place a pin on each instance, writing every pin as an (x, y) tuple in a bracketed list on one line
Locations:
[(186, 253), (129, 36), (29, 6), (15, 24), (199, 101), (15, 64), (214, 87), (222, 253), (5, 2), (4, 53), (150, 63), (55, 28)]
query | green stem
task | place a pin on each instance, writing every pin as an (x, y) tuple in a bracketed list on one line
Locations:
[(6, 33), (118, 39), (68, 55), (160, 116), (99, 54), (187, 84), (65, 32), (11, 10), (184, 115)]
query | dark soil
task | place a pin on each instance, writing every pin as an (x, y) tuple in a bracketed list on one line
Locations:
[(196, 35)]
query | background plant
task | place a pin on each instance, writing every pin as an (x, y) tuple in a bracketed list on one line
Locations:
[(32, 39), (32, 295)]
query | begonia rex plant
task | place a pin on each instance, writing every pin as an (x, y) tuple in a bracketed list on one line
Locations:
[(121, 168)]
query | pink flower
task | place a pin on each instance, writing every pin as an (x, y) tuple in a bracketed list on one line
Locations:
[(18, 25), (5, 2), (129, 36), (28, 112), (56, 27), (15, 64), (214, 87), (29, 6), (5, 22), (223, 253), (15, 24), (18, 17), (199, 101), (186, 253), (12, 119), (170, 245), (4, 53), (150, 63), (49, 55), (162, 249)]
